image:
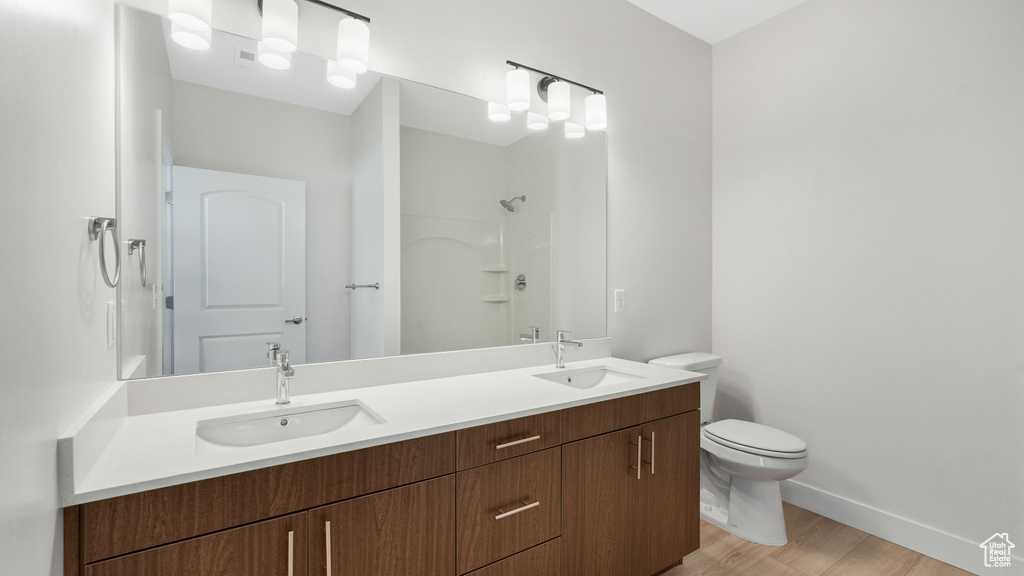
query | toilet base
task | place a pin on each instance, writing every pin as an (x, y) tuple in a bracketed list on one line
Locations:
[(753, 511)]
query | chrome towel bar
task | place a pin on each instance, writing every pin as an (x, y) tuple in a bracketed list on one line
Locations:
[(375, 286)]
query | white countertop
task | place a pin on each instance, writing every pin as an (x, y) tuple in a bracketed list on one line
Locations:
[(160, 449)]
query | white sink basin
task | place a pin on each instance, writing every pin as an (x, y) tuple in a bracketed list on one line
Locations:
[(584, 378), (285, 424)]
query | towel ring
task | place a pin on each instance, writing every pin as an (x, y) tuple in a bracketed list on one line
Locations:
[(139, 245), (98, 228)]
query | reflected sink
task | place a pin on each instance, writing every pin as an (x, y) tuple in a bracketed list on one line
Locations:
[(584, 378), (285, 424)]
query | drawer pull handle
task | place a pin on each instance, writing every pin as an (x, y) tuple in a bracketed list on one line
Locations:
[(522, 508), (291, 551), (652, 451), (327, 541), (517, 442)]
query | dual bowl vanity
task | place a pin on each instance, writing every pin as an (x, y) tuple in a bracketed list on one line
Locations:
[(591, 469)]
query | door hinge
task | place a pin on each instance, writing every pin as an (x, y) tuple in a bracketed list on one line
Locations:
[(169, 302)]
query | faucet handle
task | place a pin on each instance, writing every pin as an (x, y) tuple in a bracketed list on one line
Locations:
[(273, 351), (561, 334)]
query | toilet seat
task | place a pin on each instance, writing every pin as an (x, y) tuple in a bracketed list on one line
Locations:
[(755, 439)]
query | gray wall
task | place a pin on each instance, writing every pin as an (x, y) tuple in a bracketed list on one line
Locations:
[(868, 242)]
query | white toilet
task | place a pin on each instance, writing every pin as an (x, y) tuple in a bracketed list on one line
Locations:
[(741, 463)]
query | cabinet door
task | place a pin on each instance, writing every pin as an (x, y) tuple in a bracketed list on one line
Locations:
[(601, 505), (669, 492), (274, 548), (407, 531)]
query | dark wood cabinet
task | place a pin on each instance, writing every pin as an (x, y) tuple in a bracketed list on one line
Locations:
[(603, 489), (669, 492), (600, 505), (507, 507), (271, 547), (630, 499), (407, 531)]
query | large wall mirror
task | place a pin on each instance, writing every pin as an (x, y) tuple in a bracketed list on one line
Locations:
[(391, 218)]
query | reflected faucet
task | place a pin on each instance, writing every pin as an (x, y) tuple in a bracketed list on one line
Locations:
[(560, 347), (285, 371), (533, 337)]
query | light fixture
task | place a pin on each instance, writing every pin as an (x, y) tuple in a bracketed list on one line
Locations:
[(339, 77), (280, 31), (353, 44), (556, 91), (596, 112), (517, 90), (191, 14), (558, 100), (198, 40), (280, 24), (535, 121), (498, 112), (273, 59)]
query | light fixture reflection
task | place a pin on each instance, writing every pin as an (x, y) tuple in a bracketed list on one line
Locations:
[(281, 25), (558, 100), (498, 112), (339, 77), (273, 59), (191, 14), (353, 45), (198, 40), (535, 121), (596, 112), (574, 130)]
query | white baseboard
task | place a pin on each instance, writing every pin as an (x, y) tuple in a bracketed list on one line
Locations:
[(929, 541)]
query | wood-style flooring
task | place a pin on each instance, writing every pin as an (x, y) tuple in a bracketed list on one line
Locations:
[(818, 546)]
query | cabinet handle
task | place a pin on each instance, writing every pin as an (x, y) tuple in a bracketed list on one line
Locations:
[(327, 543), (652, 451), (517, 442), (522, 508), (291, 551), (639, 449)]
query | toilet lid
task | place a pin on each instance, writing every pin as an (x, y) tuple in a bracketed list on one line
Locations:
[(755, 438)]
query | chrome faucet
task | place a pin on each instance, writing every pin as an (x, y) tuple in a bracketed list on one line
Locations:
[(533, 337), (560, 347), (285, 371)]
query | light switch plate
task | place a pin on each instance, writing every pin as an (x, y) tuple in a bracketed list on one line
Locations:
[(111, 324), (620, 300)]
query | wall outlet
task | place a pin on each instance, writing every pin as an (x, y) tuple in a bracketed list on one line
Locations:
[(620, 300)]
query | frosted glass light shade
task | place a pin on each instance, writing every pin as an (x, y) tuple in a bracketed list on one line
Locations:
[(535, 121), (558, 100), (191, 14), (281, 25), (198, 40), (596, 111), (498, 112), (273, 59), (353, 45), (517, 90), (339, 77), (574, 130)]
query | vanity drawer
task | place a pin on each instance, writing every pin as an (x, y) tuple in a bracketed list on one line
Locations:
[(507, 507), (493, 442), (593, 419), (543, 560), (129, 523)]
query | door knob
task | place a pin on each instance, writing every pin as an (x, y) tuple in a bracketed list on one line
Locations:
[(296, 320)]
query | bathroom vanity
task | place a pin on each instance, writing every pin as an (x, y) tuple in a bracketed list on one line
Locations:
[(562, 480)]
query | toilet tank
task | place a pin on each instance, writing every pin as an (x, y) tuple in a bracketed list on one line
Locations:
[(697, 362)]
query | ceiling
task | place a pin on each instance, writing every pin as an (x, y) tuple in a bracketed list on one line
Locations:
[(715, 20)]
